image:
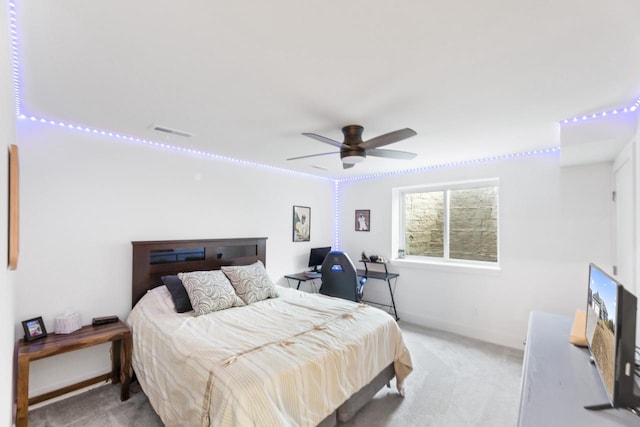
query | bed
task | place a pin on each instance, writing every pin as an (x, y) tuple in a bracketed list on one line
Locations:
[(294, 359)]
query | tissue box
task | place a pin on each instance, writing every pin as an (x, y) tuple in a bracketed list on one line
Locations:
[(67, 323)]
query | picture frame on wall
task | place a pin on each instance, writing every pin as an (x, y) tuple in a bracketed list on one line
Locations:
[(14, 208), (34, 329), (301, 224), (363, 220)]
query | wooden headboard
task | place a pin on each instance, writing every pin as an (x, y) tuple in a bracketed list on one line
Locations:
[(154, 259)]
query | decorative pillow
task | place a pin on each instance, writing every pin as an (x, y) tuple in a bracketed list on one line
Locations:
[(178, 293), (251, 282), (209, 291)]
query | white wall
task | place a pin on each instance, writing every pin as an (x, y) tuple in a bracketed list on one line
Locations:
[(635, 162), (85, 198), (7, 278), (636, 176), (553, 222)]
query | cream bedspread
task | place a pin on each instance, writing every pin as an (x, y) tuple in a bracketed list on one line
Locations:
[(286, 361)]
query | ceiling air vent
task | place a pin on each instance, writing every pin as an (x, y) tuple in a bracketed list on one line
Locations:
[(171, 131)]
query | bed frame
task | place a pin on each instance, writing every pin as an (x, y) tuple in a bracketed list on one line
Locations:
[(154, 259)]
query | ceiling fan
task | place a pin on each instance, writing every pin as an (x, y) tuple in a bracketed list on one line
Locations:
[(354, 150)]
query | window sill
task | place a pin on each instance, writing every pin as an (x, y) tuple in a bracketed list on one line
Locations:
[(446, 265)]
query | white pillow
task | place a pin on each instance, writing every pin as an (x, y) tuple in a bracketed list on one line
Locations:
[(251, 282), (209, 291)]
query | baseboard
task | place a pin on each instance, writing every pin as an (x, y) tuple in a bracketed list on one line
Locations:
[(506, 340)]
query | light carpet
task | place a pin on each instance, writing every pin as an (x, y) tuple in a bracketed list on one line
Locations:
[(457, 381)]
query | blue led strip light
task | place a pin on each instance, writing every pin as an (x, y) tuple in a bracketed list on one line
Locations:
[(622, 110), (336, 215), (15, 62), (214, 156), (161, 145), (530, 153)]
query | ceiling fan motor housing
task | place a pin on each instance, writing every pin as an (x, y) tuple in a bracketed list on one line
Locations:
[(352, 134), (351, 152)]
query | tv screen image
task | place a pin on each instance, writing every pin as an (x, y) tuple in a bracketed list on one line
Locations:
[(611, 331), (601, 328)]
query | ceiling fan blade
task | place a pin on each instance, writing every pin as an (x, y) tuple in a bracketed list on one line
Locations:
[(314, 155), (388, 138), (324, 139), (347, 165), (391, 154)]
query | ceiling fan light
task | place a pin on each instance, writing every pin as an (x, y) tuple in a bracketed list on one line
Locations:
[(352, 159)]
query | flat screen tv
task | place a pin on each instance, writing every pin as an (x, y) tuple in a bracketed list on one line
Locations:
[(317, 256), (611, 338)]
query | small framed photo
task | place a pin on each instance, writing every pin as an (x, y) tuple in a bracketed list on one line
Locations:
[(363, 220), (301, 224), (34, 329)]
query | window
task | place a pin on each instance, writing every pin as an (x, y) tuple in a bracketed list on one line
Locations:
[(452, 222)]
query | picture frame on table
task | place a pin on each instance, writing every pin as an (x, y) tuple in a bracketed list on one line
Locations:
[(363, 220), (34, 329), (301, 224)]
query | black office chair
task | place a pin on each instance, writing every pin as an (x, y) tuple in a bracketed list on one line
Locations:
[(339, 277)]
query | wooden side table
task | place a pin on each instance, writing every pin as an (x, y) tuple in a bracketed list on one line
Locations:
[(121, 346)]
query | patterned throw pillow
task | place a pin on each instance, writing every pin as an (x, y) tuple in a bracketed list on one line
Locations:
[(251, 282), (209, 291)]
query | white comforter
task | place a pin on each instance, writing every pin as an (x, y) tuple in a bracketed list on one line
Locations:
[(286, 361)]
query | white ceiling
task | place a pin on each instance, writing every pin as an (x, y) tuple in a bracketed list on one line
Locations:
[(472, 78)]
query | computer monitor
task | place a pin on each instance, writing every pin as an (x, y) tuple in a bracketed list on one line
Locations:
[(317, 256), (611, 337)]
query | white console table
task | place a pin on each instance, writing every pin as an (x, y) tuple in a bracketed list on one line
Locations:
[(558, 380)]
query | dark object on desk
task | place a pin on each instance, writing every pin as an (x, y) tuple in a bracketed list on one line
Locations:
[(97, 321), (340, 278), (317, 256), (373, 258)]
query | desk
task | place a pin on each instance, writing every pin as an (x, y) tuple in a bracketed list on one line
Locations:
[(121, 347), (558, 380), (381, 275), (300, 277)]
